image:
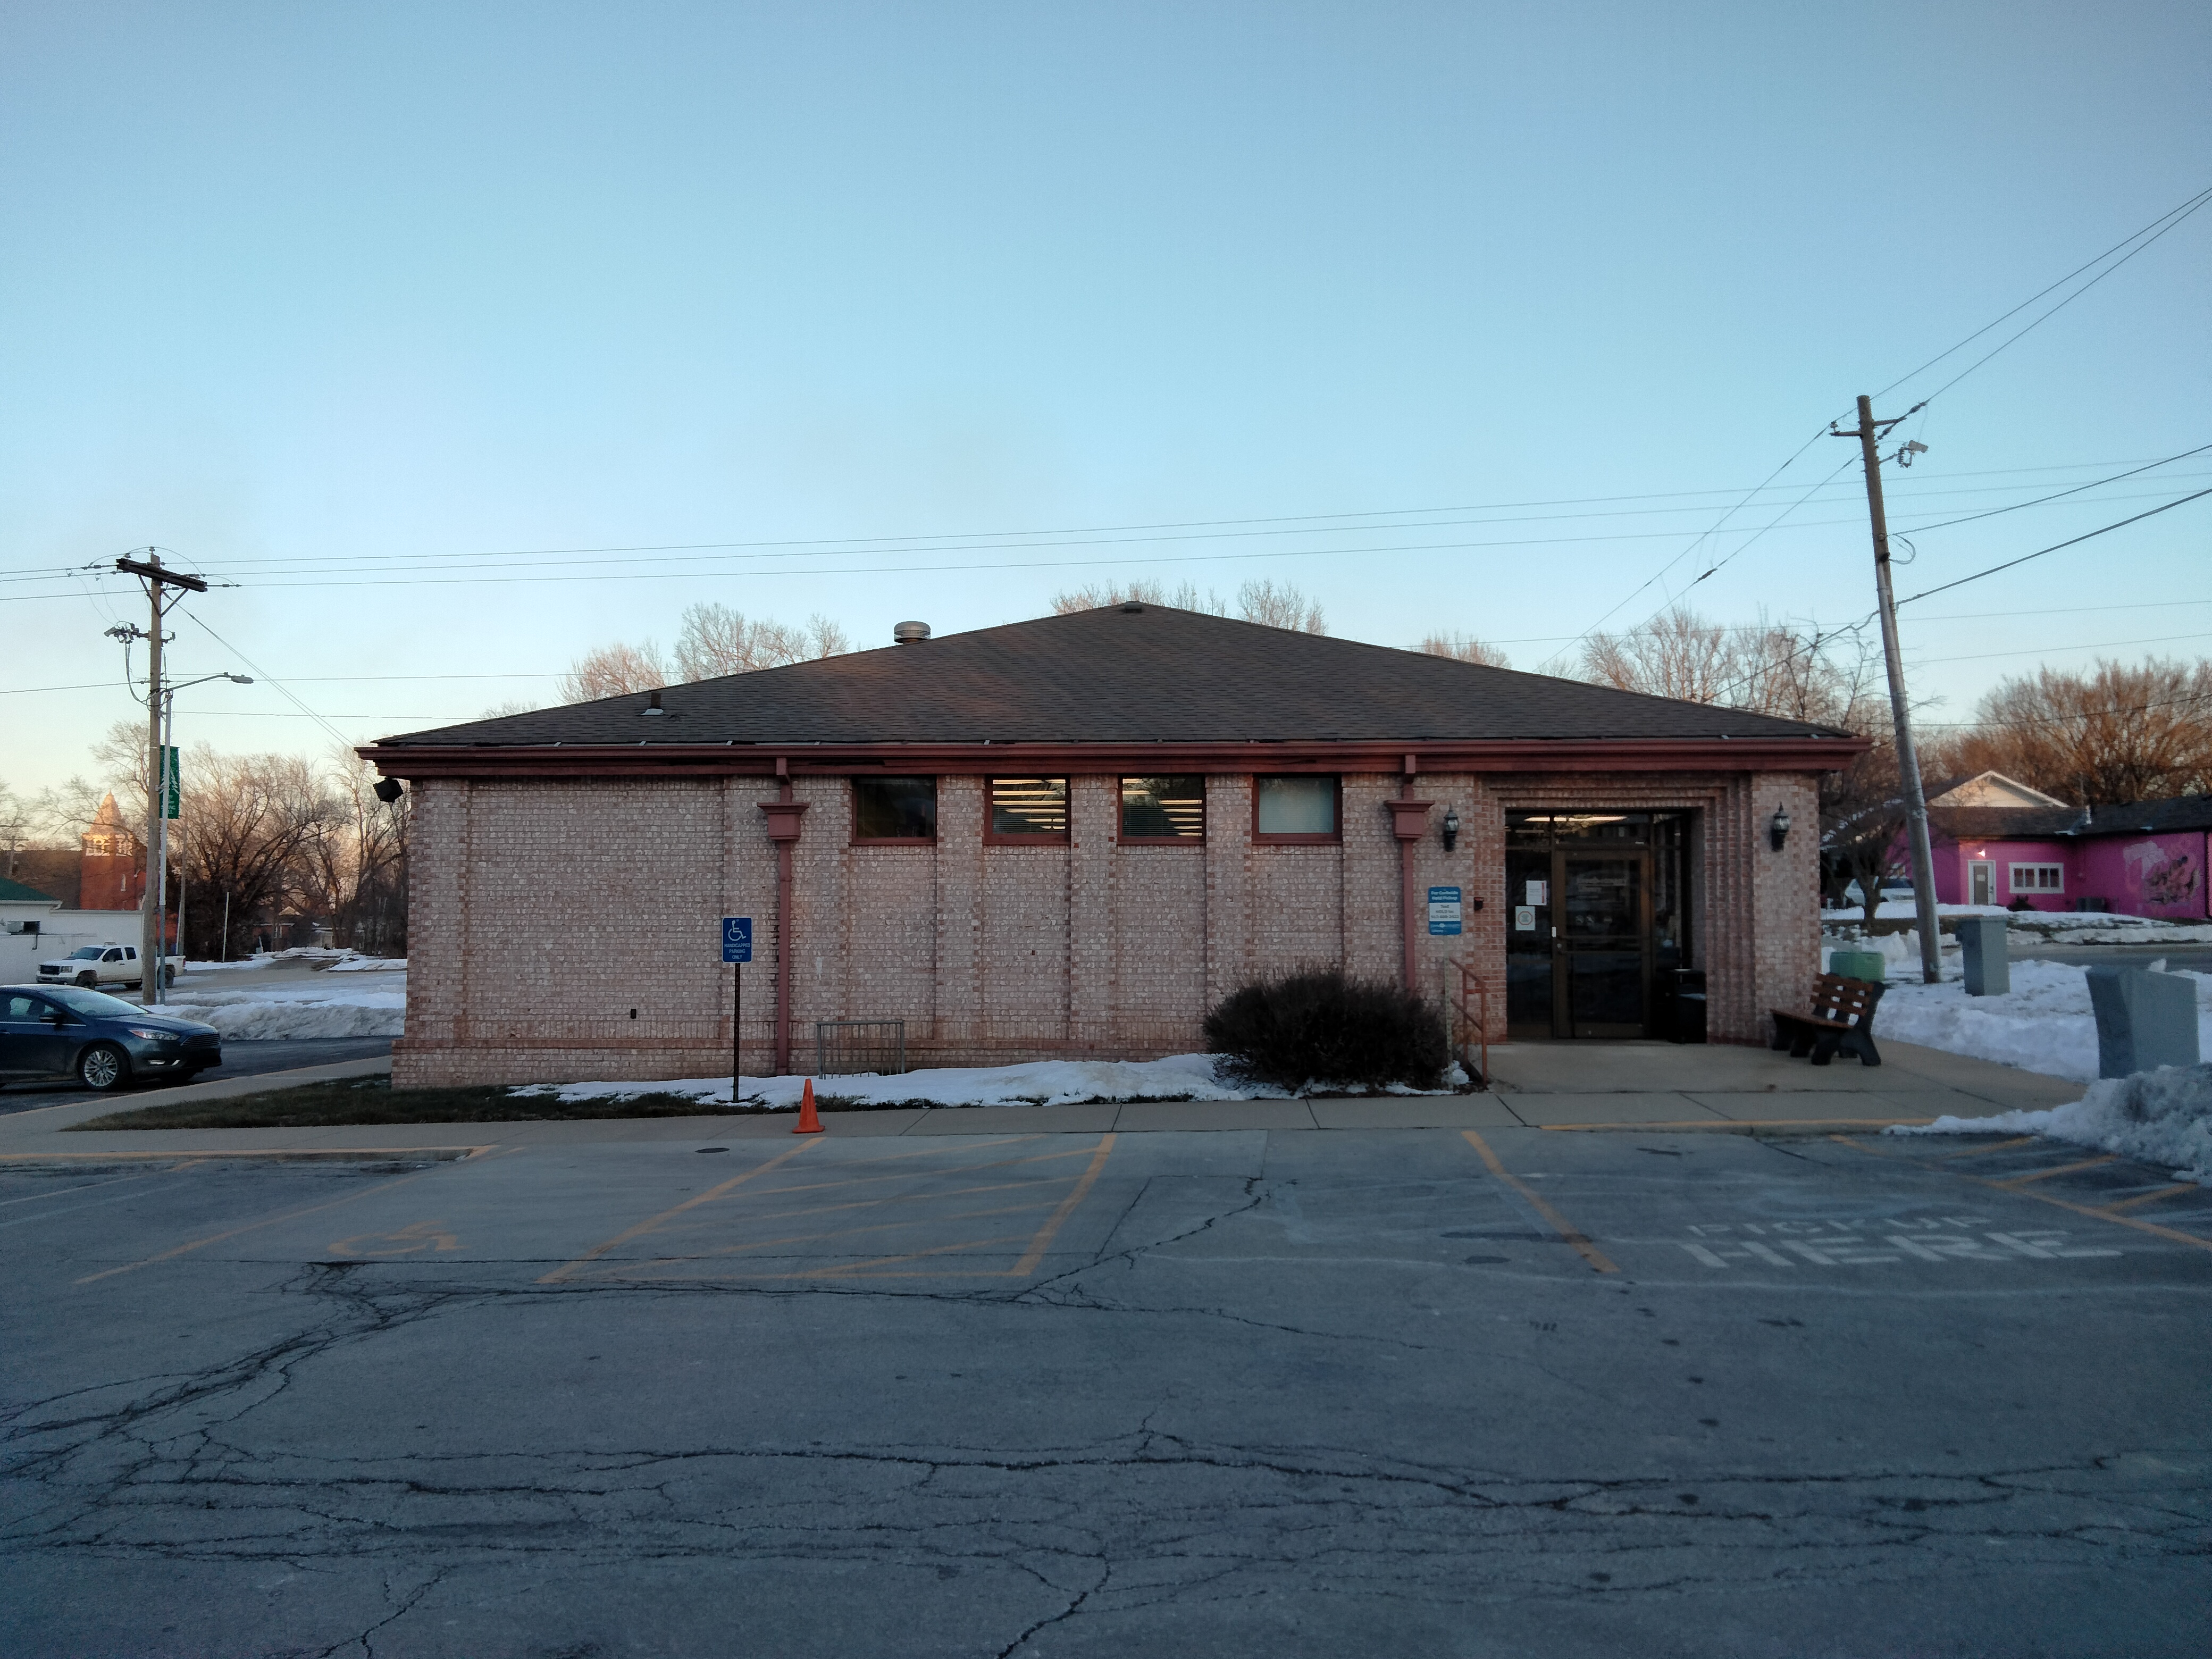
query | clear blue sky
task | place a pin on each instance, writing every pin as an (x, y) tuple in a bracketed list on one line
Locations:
[(336, 294)]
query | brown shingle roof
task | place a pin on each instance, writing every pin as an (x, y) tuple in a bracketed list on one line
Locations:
[(1110, 676)]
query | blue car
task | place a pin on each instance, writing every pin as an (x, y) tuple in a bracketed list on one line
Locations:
[(64, 1030)]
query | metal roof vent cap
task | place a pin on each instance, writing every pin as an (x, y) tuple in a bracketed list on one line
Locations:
[(653, 704), (909, 633), (1134, 607)]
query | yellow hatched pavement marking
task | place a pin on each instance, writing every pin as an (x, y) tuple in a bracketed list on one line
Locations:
[(2174, 1191), (646, 1226), (2063, 1168), (1574, 1236), (2104, 1215)]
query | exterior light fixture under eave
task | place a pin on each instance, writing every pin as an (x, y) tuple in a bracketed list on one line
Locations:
[(1777, 828), (1451, 828)]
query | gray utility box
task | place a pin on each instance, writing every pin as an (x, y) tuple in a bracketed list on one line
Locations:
[(2144, 1020), (1989, 973)]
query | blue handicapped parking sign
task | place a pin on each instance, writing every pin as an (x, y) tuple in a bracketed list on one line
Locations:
[(737, 939)]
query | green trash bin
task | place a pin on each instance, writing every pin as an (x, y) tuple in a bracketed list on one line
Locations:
[(1857, 964)]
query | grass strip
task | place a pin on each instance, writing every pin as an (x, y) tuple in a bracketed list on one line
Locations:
[(373, 1100)]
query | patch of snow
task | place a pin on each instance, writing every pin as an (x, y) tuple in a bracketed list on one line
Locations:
[(1042, 1083), (2044, 1023), (372, 1005), (353, 964), (2154, 1117), (2074, 926)]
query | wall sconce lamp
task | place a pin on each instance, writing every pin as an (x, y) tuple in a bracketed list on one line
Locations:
[(1778, 828), (1451, 828)]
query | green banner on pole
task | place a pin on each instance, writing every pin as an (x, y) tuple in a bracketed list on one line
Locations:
[(172, 783)]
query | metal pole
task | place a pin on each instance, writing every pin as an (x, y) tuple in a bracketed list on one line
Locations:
[(737, 1030), (1908, 763), (151, 923), (226, 924)]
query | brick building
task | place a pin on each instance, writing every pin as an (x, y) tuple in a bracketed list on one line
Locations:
[(1071, 837)]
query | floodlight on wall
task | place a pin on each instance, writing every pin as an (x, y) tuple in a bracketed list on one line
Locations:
[(1777, 828), (388, 790), (1451, 828)]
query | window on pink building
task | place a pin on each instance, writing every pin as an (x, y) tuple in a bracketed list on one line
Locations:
[(2037, 877)]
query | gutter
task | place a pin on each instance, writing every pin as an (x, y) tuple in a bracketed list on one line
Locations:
[(1764, 754)]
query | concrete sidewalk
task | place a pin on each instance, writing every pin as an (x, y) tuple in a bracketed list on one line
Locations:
[(1649, 1086)]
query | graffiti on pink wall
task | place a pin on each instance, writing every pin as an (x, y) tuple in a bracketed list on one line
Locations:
[(2152, 876)]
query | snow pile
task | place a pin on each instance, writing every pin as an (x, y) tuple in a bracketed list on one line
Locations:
[(350, 963), (2154, 1117), (2044, 1023), (1042, 1083), (374, 1004)]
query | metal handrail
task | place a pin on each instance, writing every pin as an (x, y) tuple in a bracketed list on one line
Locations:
[(1472, 1006)]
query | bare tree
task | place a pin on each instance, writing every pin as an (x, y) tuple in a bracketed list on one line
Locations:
[(1286, 606), (1465, 647), (1142, 590), (352, 866), (2118, 734), (248, 823), (718, 640), (1678, 653), (614, 671)]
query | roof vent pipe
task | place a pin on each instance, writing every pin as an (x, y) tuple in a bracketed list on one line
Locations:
[(909, 633), (653, 704)]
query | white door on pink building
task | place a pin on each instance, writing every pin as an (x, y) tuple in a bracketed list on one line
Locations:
[(1977, 877)]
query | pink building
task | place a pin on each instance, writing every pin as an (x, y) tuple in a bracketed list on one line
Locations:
[(1996, 841)]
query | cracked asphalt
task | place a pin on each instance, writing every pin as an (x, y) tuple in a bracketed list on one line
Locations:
[(1289, 1392)]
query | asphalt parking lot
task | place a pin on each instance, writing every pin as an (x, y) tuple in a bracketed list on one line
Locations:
[(1285, 1392)]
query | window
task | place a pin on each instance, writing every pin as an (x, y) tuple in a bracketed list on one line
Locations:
[(894, 809), (1028, 809), (1302, 809), (2038, 877), (1164, 809)]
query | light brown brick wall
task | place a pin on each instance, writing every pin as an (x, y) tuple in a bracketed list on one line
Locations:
[(543, 912)]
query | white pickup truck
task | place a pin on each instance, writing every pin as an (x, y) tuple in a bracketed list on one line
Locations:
[(102, 965)]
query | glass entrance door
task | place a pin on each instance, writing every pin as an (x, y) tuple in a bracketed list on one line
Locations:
[(1601, 964)]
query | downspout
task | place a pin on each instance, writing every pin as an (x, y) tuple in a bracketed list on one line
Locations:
[(783, 815), (1409, 822)]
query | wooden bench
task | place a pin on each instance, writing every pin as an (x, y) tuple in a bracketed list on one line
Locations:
[(1842, 1020)]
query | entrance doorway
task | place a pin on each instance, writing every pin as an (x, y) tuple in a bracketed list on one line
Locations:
[(1597, 925), (1979, 876)]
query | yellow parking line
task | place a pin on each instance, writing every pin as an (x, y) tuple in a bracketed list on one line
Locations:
[(2151, 1227), (926, 1175), (252, 1226), (1042, 1242), (645, 1227), (1584, 1248), (2000, 1146), (2063, 1168), (2175, 1191), (621, 1269)]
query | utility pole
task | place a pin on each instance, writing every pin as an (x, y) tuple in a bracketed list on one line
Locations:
[(153, 931), (1869, 433)]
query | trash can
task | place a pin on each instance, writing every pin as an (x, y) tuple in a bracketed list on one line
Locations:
[(1686, 1017)]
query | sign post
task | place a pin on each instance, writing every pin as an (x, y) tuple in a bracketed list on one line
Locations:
[(737, 950)]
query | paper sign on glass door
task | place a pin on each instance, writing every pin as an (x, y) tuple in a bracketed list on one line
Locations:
[(1540, 892)]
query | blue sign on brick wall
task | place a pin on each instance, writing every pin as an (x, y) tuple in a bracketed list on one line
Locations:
[(737, 939), (1444, 909)]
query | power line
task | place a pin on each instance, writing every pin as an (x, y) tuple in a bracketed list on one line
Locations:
[(284, 691), (1922, 529), (2175, 215), (2071, 542)]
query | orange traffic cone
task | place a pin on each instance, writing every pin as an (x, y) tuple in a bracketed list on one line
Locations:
[(808, 1123)]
